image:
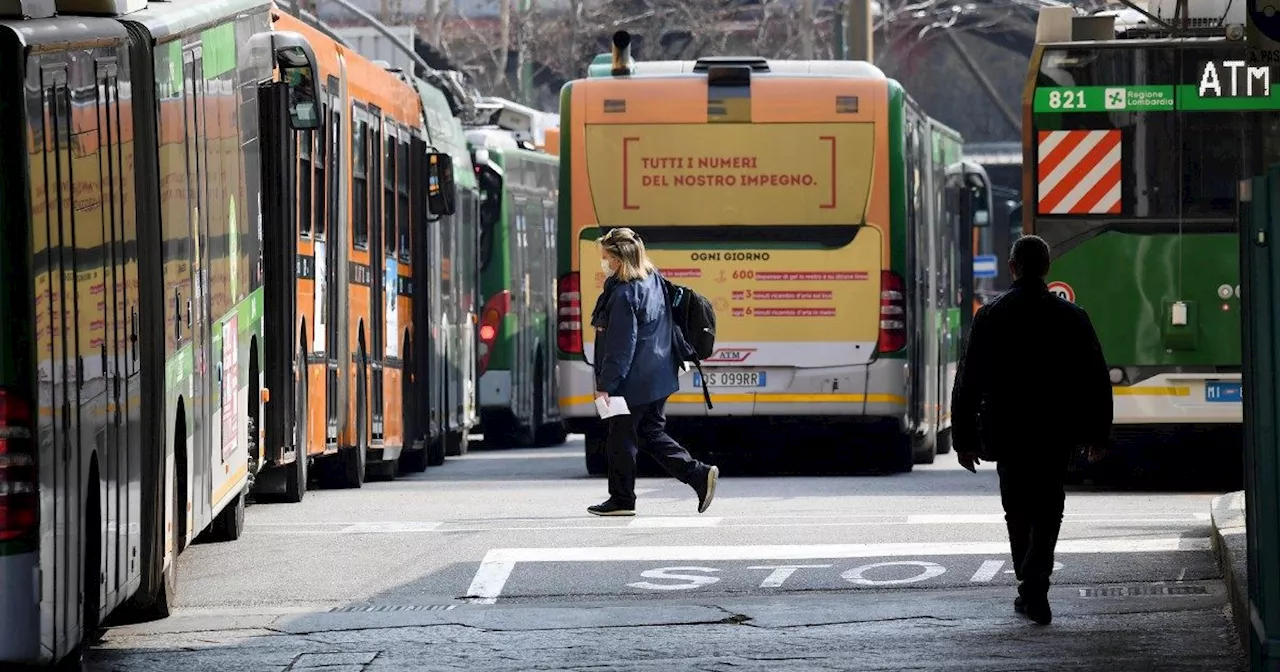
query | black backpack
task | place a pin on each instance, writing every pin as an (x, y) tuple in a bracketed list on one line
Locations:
[(694, 319)]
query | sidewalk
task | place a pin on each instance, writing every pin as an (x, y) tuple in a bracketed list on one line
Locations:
[(1229, 547)]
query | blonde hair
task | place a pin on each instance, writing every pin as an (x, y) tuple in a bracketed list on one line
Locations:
[(624, 244)]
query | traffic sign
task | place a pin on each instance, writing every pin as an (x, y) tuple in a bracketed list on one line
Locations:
[(985, 266), (1062, 290)]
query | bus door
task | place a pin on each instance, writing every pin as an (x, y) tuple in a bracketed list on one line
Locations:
[(206, 431), (328, 290), (278, 148), (377, 306)]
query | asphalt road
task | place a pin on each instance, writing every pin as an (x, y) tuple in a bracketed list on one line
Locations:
[(491, 562)]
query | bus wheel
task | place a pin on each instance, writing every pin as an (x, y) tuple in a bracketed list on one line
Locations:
[(944, 441), (353, 458), (597, 458), (229, 524), (435, 450), (921, 451), (413, 460), (457, 443), (899, 455)]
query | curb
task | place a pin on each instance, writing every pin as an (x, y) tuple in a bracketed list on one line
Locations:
[(1229, 549)]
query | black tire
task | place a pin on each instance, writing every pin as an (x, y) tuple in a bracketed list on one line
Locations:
[(229, 524), (900, 453), (596, 457), (414, 461), (353, 459), (435, 451), (457, 443), (944, 441), (921, 451)]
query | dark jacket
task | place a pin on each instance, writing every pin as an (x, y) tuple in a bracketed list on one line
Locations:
[(1032, 378), (633, 354)]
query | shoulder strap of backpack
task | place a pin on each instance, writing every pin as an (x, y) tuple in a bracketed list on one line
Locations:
[(706, 394)]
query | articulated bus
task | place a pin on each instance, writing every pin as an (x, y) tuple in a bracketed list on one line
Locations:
[(132, 297), (809, 201), (452, 293), (349, 319), (517, 362), (1135, 145)]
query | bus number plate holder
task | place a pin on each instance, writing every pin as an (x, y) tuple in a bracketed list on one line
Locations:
[(1223, 391), (731, 379)]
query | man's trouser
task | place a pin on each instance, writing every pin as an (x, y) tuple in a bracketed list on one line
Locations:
[(1031, 491), (644, 428)]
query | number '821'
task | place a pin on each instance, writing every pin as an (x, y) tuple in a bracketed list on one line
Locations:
[(1067, 99)]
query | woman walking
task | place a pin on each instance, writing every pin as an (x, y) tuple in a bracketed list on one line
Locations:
[(635, 360)]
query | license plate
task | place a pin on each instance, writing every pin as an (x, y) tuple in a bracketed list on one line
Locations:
[(731, 379), (1223, 391)]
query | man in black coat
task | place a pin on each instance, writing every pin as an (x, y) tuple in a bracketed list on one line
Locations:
[(1031, 388)]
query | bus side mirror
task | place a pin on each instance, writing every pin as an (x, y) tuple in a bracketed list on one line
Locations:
[(297, 66), (441, 194)]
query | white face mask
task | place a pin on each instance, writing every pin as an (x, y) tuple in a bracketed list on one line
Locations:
[(604, 266)]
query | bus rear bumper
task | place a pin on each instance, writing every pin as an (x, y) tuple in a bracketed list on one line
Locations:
[(876, 390), (1177, 398), (495, 389)]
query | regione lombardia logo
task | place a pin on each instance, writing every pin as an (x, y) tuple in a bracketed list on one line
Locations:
[(1114, 99)]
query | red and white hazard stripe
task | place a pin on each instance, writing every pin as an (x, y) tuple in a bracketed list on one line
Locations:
[(1079, 173)]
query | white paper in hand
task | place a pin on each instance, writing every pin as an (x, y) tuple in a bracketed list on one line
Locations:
[(614, 406)]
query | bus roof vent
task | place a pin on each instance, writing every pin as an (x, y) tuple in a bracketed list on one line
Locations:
[(27, 9), (754, 63), (100, 7)]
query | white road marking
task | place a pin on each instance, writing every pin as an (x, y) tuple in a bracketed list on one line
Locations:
[(743, 522), (676, 521), (690, 580), (781, 573), (498, 563), (955, 519), (390, 527), (987, 571), (928, 571)]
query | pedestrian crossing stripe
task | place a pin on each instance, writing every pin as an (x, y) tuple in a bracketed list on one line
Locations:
[(1079, 172)]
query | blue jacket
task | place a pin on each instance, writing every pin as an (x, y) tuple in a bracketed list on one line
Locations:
[(634, 359)]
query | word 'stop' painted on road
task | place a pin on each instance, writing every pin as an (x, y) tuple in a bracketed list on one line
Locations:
[(496, 568), (730, 174)]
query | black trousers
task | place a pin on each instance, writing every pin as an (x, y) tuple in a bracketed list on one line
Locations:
[(644, 428), (1033, 498)]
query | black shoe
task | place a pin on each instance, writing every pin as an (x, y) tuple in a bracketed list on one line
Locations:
[(1039, 611), (1020, 605), (612, 508), (707, 489)]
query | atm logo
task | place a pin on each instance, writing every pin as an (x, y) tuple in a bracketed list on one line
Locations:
[(727, 355)]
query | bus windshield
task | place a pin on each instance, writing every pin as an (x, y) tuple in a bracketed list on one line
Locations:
[(1182, 151)]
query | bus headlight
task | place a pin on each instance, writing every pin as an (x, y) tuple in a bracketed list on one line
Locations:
[(1117, 376)]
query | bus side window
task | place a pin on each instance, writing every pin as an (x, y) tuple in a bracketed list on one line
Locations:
[(402, 187)]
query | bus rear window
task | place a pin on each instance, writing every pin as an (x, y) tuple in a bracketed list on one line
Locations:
[(490, 210), (1177, 160)]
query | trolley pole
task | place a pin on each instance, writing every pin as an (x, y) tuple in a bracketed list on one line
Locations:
[(858, 30)]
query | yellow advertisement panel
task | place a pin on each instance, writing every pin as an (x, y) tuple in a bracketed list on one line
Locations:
[(730, 174), (774, 307)]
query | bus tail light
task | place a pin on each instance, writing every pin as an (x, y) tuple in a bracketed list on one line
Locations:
[(569, 314), (19, 479), (495, 309), (893, 313)]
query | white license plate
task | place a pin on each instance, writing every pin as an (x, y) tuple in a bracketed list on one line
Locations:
[(731, 379)]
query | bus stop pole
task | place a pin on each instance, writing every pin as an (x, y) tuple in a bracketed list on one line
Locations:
[(1259, 212)]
